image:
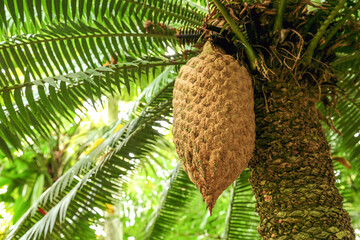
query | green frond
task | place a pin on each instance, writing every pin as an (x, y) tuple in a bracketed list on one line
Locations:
[(346, 182), (199, 5), (96, 179), (238, 33), (62, 48), (322, 30), (16, 15), (349, 63), (159, 82), (242, 220), (345, 120), (174, 200), (280, 15), (167, 10), (38, 108), (352, 12)]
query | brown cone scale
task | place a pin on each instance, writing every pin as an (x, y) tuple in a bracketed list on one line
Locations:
[(214, 121)]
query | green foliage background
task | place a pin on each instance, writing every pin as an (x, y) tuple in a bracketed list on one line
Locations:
[(63, 175)]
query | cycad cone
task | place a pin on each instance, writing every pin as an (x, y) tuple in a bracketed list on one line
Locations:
[(214, 121)]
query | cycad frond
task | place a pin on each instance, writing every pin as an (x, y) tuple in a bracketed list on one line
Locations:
[(62, 48), (349, 191), (159, 82), (322, 30), (174, 199), (195, 4), (42, 104), (350, 12), (238, 33), (16, 15), (242, 220), (281, 7), (66, 205), (348, 63), (345, 120)]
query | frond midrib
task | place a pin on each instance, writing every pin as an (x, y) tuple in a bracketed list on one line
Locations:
[(13, 45), (165, 12), (117, 68)]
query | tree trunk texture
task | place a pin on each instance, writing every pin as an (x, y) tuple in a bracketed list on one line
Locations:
[(292, 173)]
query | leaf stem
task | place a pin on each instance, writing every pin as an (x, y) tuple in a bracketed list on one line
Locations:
[(248, 49), (340, 24), (314, 42), (280, 16), (118, 67), (48, 38)]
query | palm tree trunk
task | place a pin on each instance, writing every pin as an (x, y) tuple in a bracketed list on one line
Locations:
[(292, 172)]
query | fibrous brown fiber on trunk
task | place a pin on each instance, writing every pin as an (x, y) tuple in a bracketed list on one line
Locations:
[(214, 121)]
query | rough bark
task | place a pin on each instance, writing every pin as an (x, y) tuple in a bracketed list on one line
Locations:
[(292, 173)]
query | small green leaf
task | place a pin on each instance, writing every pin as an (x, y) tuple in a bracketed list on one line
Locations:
[(86, 77), (20, 103), (3, 117), (44, 98), (90, 92), (58, 55), (109, 83), (6, 69), (12, 138), (57, 104), (104, 69), (74, 8), (126, 80), (38, 83), (64, 9), (50, 54), (124, 8), (66, 97), (62, 78), (12, 113), (20, 208), (117, 80), (50, 81), (5, 149), (30, 97), (97, 8), (57, 9), (38, 188), (3, 13), (39, 10), (11, 9), (94, 73), (44, 57), (49, 9), (104, 7)]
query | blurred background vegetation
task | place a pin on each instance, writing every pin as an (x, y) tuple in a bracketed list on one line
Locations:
[(34, 170)]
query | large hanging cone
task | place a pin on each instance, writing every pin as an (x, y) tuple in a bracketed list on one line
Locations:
[(214, 121)]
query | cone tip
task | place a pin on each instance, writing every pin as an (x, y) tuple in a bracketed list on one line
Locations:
[(210, 209), (209, 204)]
